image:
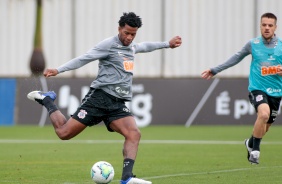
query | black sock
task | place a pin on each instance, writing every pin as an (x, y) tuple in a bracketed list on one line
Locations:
[(127, 168), (49, 104), (251, 142), (256, 146)]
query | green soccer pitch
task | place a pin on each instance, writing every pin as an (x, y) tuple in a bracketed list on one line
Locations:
[(167, 155)]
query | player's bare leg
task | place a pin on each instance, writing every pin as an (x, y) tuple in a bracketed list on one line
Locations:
[(65, 129), (127, 127), (260, 128)]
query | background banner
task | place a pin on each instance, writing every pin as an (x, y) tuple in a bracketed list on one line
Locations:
[(192, 101), (7, 101)]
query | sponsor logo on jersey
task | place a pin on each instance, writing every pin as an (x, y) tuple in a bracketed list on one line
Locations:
[(121, 54), (271, 58), (271, 90), (118, 45), (122, 90), (270, 70), (128, 65)]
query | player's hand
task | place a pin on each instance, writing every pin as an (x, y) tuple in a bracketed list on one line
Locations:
[(207, 74), (50, 72), (175, 42)]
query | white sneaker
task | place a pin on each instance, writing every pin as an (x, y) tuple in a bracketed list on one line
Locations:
[(38, 96), (249, 150), (254, 157), (133, 180)]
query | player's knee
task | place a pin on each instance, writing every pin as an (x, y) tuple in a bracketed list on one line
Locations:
[(264, 116), (133, 134), (63, 135), (138, 134)]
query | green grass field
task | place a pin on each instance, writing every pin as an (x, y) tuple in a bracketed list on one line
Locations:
[(167, 155)]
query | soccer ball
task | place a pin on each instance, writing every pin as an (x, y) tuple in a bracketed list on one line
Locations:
[(102, 172)]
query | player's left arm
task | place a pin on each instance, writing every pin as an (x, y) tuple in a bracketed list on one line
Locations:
[(175, 42), (151, 46)]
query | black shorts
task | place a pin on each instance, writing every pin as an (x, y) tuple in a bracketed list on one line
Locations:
[(98, 106), (258, 97)]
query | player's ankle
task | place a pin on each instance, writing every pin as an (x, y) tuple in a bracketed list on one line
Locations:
[(126, 176)]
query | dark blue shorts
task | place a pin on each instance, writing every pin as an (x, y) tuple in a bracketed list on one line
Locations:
[(98, 106), (258, 97)]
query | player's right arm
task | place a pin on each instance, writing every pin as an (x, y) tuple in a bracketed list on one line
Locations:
[(235, 59), (97, 52)]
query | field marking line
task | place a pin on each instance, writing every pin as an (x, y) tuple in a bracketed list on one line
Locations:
[(215, 142), (202, 102), (210, 172), (191, 174)]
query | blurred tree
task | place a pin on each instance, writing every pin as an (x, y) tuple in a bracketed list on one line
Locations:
[(37, 62)]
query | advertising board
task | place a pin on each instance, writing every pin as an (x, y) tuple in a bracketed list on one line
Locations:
[(184, 102)]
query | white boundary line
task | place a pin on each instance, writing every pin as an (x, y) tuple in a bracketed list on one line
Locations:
[(210, 172), (27, 141), (191, 174), (11, 141), (206, 172)]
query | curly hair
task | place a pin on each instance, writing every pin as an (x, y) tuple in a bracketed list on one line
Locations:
[(130, 19)]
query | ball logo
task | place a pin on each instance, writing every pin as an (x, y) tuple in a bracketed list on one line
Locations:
[(82, 114)]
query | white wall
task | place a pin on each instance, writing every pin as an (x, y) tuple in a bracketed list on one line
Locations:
[(17, 20), (212, 30)]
